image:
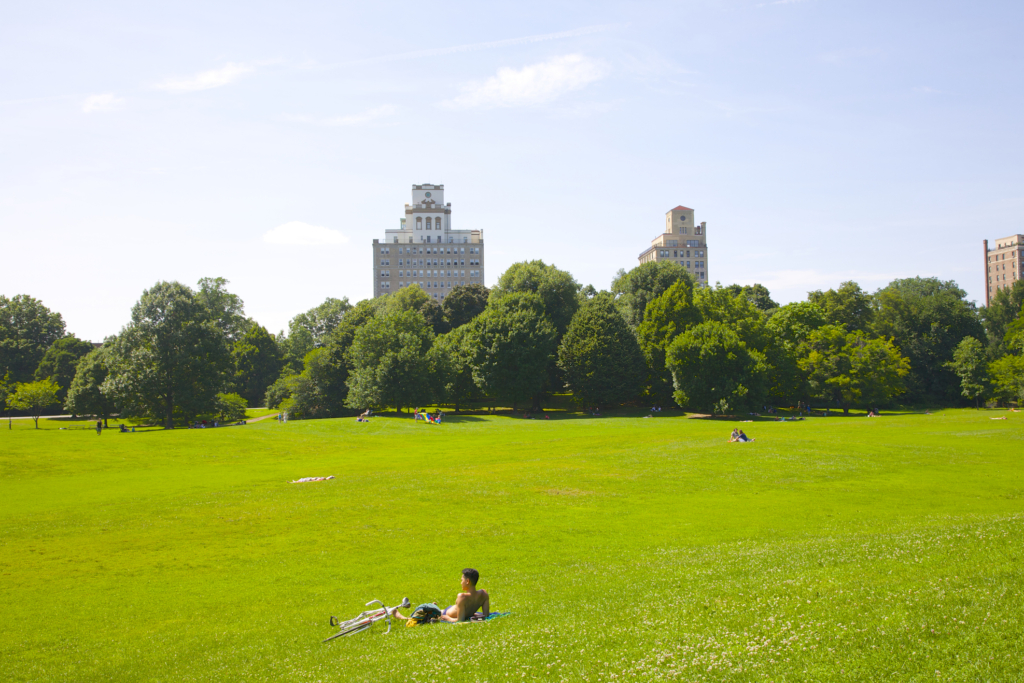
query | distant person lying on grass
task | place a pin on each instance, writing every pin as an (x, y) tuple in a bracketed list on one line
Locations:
[(467, 602)]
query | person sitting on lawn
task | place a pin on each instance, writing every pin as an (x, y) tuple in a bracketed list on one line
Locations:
[(743, 438), (467, 603), (735, 436)]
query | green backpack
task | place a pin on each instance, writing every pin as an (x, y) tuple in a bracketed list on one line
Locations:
[(424, 613)]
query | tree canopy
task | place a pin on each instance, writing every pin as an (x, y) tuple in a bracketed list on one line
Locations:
[(257, 361), (713, 370), (310, 330), (969, 364), (636, 288), (60, 362), (517, 343), (84, 396), (1004, 308), (849, 305), (171, 360), (667, 316), (27, 329), (599, 355), (926, 319), (557, 289), (34, 397), (226, 310), (390, 363), (464, 303)]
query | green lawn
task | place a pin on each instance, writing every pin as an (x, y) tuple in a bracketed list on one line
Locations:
[(627, 549)]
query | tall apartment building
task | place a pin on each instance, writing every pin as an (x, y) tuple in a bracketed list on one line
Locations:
[(426, 251), (1003, 264), (683, 242)]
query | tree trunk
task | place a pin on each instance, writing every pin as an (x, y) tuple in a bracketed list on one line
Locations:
[(36, 419), (105, 425), (169, 417)]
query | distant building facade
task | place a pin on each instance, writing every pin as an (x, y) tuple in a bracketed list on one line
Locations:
[(683, 242), (426, 250), (1003, 264)]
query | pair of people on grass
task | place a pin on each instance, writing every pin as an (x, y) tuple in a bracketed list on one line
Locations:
[(739, 437), (471, 600)]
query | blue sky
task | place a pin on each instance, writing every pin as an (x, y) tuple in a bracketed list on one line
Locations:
[(821, 141)]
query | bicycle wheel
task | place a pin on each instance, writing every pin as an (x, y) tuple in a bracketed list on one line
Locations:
[(350, 629)]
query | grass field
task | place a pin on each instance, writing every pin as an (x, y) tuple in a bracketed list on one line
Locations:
[(626, 549)]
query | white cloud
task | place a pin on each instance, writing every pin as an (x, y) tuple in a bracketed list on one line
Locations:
[(205, 80), (105, 102), (350, 120), (297, 233), (534, 84)]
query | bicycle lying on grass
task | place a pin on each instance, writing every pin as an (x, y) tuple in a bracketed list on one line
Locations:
[(365, 619)]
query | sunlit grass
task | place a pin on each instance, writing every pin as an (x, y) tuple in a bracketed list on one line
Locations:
[(627, 549)]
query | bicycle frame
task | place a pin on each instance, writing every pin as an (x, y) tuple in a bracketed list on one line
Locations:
[(366, 619)]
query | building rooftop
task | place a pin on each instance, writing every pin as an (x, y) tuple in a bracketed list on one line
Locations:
[(681, 208)]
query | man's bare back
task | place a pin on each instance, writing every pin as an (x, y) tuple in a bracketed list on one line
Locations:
[(467, 604)]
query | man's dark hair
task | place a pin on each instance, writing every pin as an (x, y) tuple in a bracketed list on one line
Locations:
[(471, 574)]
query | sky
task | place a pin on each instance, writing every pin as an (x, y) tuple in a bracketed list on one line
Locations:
[(270, 143)]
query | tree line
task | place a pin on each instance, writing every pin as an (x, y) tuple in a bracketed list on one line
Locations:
[(655, 337)]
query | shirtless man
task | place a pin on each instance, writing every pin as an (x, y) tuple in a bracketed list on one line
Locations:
[(469, 600), (466, 603)]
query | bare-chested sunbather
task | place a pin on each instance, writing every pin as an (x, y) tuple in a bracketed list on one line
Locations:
[(467, 603)]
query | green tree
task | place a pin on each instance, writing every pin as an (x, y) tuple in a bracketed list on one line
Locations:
[(969, 365), (225, 309), (464, 303), (789, 326), (279, 391), (230, 407), (849, 305), (1003, 310), (600, 356), (926, 319), (85, 396), (34, 397), (718, 304), (758, 295), (557, 289), (516, 345), (667, 316), (257, 360), (850, 368), (318, 391), (310, 330), (334, 367), (633, 290), (714, 371), (60, 362), (389, 356), (452, 357), (27, 329), (1007, 375), (794, 322), (171, 360)]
